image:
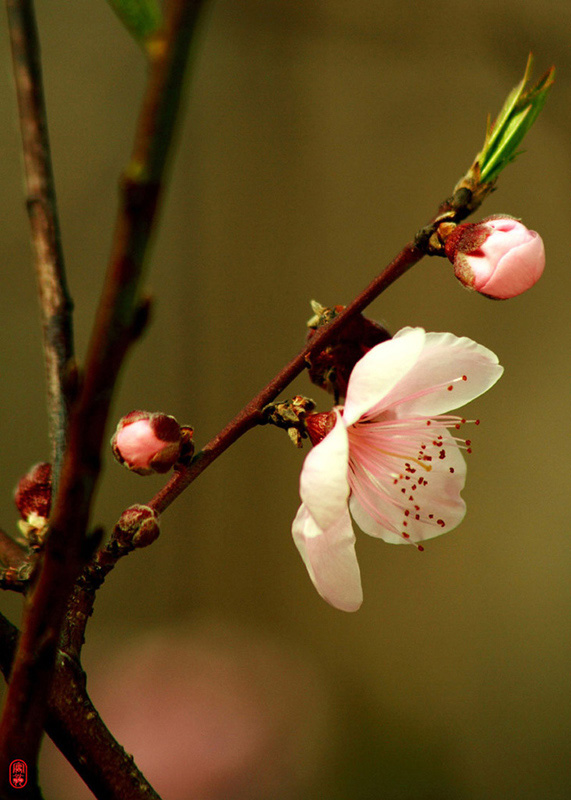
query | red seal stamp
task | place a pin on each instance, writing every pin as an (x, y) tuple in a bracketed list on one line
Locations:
[(18, 774)]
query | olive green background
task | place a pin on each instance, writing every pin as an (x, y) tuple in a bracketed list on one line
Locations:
[(317, 138)]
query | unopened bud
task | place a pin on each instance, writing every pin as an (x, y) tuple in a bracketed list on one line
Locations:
[(331, 367), (138, 526), (33, 498), (147, 442), (498, 257)]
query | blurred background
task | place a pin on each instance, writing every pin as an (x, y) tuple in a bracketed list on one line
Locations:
[(318, 137)]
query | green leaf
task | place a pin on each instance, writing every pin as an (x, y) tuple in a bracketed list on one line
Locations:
[(142, 18), (518, 114)]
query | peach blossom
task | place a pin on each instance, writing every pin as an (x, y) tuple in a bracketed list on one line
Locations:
[(390, 460)]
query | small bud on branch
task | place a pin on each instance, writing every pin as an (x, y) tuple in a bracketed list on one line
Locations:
[(147, 442), (330, 367)]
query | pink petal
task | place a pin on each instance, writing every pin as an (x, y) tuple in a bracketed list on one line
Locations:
[(430, 505), (383, 367), (443, 362), (329, 555), (323, 484), (506, 233), (137, 443), (518, 270)]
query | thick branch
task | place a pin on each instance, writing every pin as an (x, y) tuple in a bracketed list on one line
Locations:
[(117, 323), (78, 731), (55, 302)]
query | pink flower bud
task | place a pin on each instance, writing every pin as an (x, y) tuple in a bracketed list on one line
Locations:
[(498, 257), (147, 442)]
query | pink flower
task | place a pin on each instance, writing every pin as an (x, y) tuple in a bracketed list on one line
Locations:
[(147, 442), (498, 257), (390, 458)]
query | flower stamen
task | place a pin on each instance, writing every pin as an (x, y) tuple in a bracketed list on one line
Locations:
[(449, 385)]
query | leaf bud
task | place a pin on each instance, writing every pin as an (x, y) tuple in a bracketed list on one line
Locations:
[(138, 526)]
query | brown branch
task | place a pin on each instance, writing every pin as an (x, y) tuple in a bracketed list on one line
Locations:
[(80, 606), (454, 209), (251, 414), (78, 731), (118, 322), (81, 603), (55, 302)]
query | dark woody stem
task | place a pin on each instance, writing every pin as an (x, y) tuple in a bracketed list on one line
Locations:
[(456, 208), (83, 598), (119, 320), (76, 728), (251, 415), (55, 302), (74, 735)]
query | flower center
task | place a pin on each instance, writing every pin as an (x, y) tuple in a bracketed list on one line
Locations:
[(406, 473)]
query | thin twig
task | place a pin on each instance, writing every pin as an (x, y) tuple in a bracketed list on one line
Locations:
[(453, 209), (118, 321), (251, 414), (55, 301), (80, 606), (81, 603)]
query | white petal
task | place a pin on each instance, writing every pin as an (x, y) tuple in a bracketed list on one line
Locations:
[(445, 358), (323, 484), (433, 497), (330, 558), (369, 525), (379, 371)]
